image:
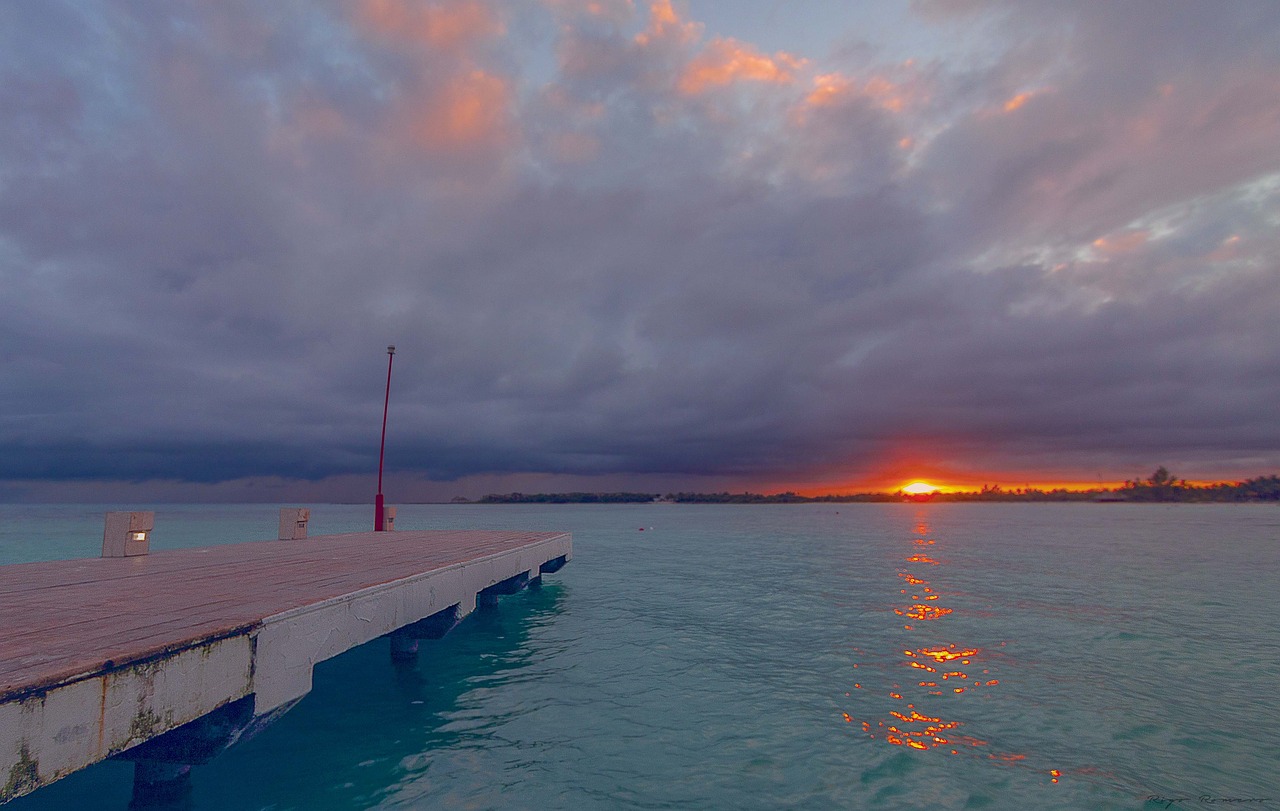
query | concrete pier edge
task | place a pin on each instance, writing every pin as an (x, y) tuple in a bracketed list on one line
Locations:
[(258, 670)]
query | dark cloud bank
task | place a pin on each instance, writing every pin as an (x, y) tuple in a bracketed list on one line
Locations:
[(1057, 262)]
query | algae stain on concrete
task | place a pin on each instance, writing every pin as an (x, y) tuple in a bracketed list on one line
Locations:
[(146, 725), (23, 777)]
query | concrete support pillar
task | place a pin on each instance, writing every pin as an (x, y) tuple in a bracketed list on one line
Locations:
[(404, 647), (127, 534), (553, 565), (488, 597), (158, 784), (436, 625)]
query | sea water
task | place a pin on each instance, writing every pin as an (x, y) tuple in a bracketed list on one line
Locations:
[(838, 656)]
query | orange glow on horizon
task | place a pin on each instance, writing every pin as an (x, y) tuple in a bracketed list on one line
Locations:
[(899, 471), (954, 484), (920, 488)]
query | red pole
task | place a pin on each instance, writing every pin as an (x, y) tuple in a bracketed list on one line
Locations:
[(382, 449)]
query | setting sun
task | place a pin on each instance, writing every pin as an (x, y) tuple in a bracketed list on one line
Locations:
[(920, 488)]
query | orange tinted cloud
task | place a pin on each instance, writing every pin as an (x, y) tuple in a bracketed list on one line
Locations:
[(442, 24), (665, 23), (1016, 102), (1123, 242), (469, 112), (727, 60), (834, 88), (662, 15), (1227, 251)]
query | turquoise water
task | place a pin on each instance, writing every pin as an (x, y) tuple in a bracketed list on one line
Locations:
[(764, 657)]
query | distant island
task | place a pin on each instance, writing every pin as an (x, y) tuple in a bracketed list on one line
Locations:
[(1160, 487)]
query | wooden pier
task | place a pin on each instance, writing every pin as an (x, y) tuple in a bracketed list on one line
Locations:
[(184, 650)]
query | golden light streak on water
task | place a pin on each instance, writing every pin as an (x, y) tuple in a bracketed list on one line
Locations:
[(908, 726)]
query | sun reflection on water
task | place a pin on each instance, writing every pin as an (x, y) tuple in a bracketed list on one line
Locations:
[(918, 718)]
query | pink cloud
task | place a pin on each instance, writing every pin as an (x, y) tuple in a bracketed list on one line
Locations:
[(451, 102), (725, 60), (442, 25), (665, 25), (831, 89), (469, 113), (1016, 102), (1122, 242)]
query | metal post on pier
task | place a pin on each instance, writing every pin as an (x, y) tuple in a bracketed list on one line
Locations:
[(379, 524)]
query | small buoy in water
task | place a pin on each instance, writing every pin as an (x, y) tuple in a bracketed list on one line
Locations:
[(642, 529)]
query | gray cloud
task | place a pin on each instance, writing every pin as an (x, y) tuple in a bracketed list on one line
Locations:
[(213, 219)]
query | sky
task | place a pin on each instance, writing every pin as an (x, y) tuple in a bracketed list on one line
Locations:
[(629, 245)]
